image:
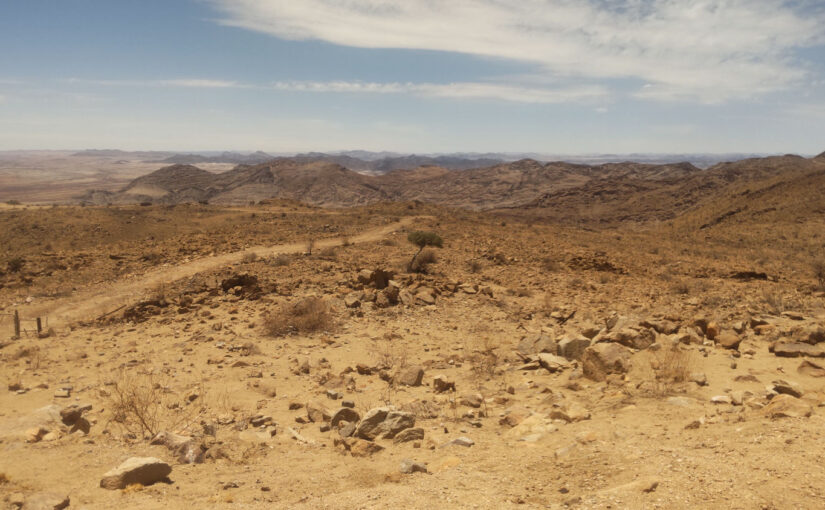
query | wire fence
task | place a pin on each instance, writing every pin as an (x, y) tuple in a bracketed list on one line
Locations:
[(17, 326)]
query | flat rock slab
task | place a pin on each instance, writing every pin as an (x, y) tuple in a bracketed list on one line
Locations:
[(136, 470)]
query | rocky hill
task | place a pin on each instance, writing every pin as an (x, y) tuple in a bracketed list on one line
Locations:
[(560, 191)]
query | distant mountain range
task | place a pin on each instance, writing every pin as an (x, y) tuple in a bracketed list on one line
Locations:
[(375, 163), (557, 190)]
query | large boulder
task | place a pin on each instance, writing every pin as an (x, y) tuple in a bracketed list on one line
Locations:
[(797, 349), (412, 376), (535, 344), (395, 422), (46, 501), (368, 427), (603, 359), (136, 470), (787, 406), (728, 340), (572, 347)]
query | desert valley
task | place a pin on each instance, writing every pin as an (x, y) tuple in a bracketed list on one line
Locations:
[(295, 334)]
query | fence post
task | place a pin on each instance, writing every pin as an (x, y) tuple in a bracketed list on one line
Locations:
[(39, 326), (16, 325)]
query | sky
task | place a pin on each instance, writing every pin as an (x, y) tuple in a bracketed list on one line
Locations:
[(425, 76)]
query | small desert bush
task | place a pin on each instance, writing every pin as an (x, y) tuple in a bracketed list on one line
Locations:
[(153, 258), (819, 272), (671, 369), (15, 265), (250, 257), (423, 260), (329, 253), (281, 260), (550, 265), (681, 288), (520, 292), (474, 266), (308, 315), (141, 406)]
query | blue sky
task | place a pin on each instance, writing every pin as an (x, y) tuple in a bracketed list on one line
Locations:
[(551, 76)]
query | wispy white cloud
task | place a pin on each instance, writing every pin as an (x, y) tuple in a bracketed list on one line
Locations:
[(183, 83), (697, 50), (461, 90)]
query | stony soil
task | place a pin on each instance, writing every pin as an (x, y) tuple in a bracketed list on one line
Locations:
[(674, 398)]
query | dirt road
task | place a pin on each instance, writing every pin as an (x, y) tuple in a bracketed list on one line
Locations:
[(104, 298)]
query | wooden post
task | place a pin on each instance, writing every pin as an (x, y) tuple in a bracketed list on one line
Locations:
[(39, 326), (16, 325)]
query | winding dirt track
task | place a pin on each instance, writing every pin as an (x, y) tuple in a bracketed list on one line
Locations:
[(104, 298)]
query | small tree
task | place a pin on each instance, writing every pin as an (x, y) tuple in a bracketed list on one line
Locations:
[(422, 240)]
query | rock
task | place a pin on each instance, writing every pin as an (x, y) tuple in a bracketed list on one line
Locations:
[(70, 414), (797, 349), (737, 397), (514, 416), (699, 378), (787, 388), (813, 334), (786, 406), (395, 422), (346, 429), (728, 340), (344, 414), (552, 363), (35, 434), (362, 448), (412, 376), (425, 297), (136, 470), (368, 426), (63, 393), (407, 435), (185, 448), (535, 344), (664, 327), (712, 330), (603, 359), (721, 399), (572, 347), (460, 441), (46, 501), (441, 384), (570, 413), (811, 369), (473, 400), (531, 428), (352, 300), (317, 413), (629, 337), (409, 467)]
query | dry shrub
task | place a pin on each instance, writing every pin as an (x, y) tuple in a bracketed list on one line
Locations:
[(671, 369), (819, 272), (152, 258), (142, 407), (308, 315), (250, 257), (388, 242), (329, 253), (774, 300), (15, 265), (423, 260), (32, 355), (681, 288), (281, 260), (474, 266), (520, 292), (550, 265)]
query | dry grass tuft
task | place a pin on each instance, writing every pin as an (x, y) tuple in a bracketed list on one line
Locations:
[(142, 407), (423, 260), (306, 316)]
